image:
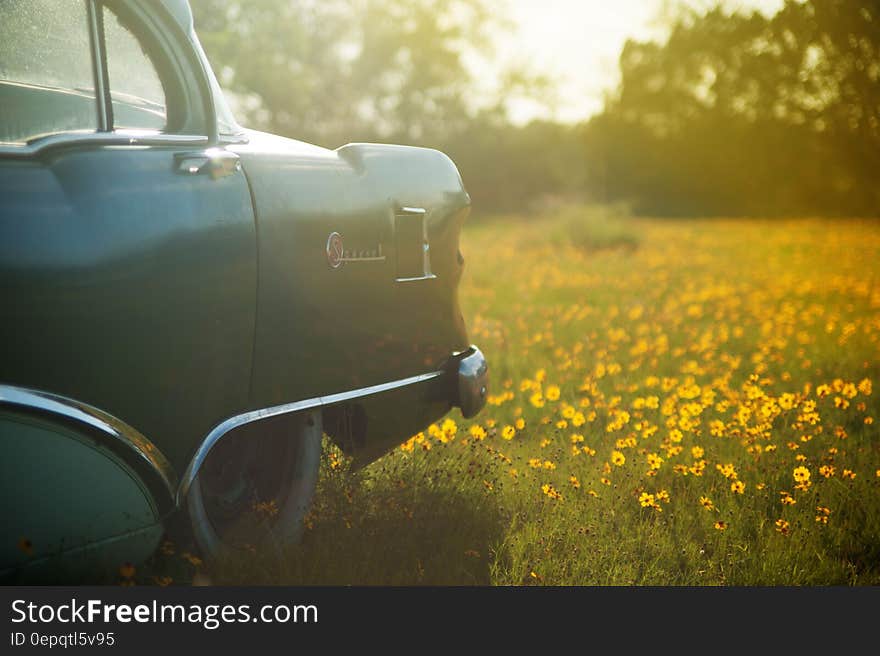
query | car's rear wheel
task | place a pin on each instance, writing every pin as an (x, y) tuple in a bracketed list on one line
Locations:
[(254, 490)]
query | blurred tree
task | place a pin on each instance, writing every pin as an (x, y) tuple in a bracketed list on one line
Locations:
[(335, 71), (329, 71), (736, 114), (747, 114), (516, 168)]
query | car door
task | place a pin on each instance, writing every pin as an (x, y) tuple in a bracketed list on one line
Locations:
[(127, 237)]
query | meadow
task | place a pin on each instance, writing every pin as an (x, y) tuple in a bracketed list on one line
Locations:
[(675, 402)]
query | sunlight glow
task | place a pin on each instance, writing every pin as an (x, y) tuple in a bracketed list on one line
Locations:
[(577, 43)]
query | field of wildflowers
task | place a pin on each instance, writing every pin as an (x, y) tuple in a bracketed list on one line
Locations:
[(697, 408)]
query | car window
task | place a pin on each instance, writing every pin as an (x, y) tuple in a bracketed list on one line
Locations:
[(46, 79), (135, 86)]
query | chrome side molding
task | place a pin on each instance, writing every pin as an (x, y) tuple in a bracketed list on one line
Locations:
[(227, 426)]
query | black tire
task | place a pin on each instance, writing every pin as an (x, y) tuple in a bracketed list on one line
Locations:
[(255, 489)]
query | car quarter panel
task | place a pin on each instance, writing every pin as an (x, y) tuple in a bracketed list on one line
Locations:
[(324, 329)]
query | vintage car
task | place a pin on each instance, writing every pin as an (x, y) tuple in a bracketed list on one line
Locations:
[(189, 307)]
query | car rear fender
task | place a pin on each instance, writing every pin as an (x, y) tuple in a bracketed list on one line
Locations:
[(359, 265)]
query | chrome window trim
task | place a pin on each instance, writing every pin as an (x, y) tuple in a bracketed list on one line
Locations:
[(103, 135), (83, 139), (67, 408), (225, 427), (98, 72), (227, 139)]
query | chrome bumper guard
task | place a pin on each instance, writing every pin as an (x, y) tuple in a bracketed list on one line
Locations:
[(473, 382)]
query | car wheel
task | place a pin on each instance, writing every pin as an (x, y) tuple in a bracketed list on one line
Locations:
[(254, 490)]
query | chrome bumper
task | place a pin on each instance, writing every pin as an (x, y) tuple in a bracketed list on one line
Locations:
[(473, 382)]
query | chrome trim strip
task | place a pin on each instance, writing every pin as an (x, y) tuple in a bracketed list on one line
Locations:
[(85, 414), (381, 258), (135, 137), (98, 139), (296, 406), (428, 277), (41, 401), (232, 139), (413, 210)]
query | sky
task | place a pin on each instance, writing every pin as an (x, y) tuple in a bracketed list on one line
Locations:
[(577, 43)]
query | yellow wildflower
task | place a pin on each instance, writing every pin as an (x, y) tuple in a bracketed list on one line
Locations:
[(551, 492), (801, 474), (827, 471)]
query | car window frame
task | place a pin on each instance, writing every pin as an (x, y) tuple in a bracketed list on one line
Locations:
[(172, 54)]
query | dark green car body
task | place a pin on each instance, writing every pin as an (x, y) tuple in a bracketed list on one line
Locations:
[(163, 287)]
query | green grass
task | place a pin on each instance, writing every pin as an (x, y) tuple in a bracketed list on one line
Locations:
[(593, 228), (712, 318)]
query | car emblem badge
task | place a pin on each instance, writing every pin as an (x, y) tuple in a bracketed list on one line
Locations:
[(335, 250), (337, 253)]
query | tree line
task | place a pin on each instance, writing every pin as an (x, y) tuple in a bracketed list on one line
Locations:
[(732, 114)]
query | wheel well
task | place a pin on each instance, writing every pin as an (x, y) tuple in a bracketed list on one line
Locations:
[(346, 425)]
